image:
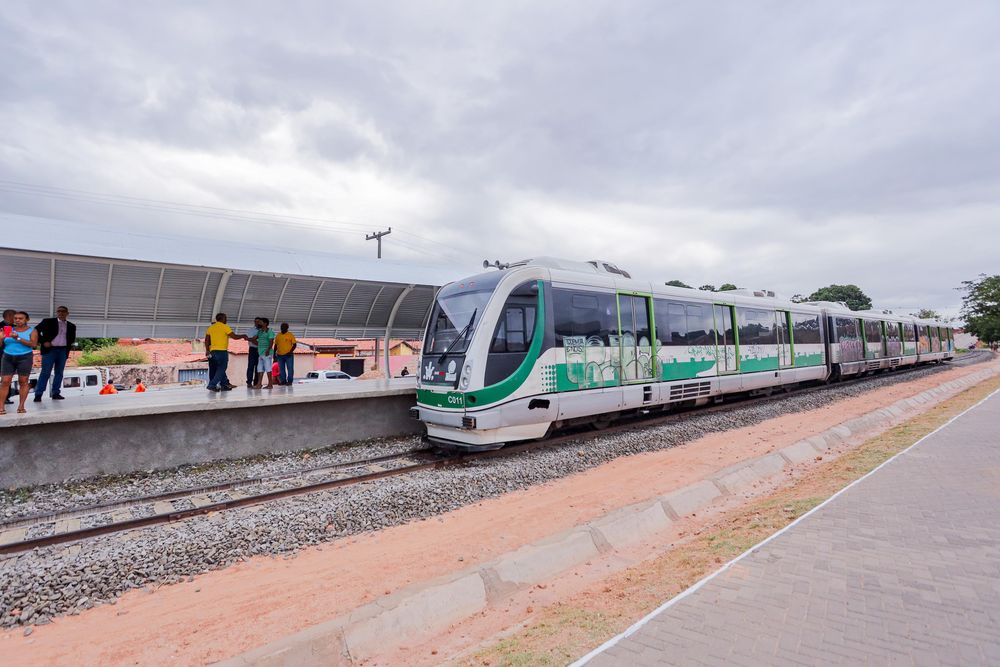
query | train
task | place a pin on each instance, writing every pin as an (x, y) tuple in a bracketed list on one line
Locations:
[(529, 347)]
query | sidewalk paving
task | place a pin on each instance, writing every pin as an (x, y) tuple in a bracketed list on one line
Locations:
[(901, 568)]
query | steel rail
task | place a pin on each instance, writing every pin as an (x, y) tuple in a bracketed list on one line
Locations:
[(140, 522), (87, 510)]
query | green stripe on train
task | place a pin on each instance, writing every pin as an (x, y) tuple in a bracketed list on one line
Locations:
[(441, 399)]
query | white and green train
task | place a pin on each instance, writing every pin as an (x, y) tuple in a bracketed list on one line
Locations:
[(514, 353)]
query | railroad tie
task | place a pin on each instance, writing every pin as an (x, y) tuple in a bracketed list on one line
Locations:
[(163, 507), (201, 501), (13, 536), (66, 526)]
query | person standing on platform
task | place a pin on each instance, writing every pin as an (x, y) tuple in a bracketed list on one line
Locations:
[(217, 350), (107, 389), (8, 325), (19, 344), (56, 336), (403, 373), (284, 351), (253, 356), (139, 386), (265, 348)]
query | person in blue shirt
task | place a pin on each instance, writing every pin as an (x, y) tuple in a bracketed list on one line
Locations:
[(19, 343)]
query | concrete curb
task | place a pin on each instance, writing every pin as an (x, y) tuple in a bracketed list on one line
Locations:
[(429, 607)]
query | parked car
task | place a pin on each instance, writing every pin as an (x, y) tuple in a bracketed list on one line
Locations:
[(323, 376), (76, 381)]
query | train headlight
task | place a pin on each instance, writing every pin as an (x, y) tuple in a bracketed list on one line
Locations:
[(463, 383)]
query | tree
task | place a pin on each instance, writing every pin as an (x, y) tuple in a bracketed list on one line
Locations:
[(707, 288), (981, 307), (926, 314), (677, 283), (798, 298), (849, 294), (727, 287)]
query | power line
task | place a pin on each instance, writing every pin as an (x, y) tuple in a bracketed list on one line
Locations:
[(40, 190), (238, 215)]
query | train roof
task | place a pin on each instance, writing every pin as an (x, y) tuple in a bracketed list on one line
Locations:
[(603, 273)]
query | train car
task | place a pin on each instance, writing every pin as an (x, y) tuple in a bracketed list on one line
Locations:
[(935, 341), (513, 353), (867, 341)]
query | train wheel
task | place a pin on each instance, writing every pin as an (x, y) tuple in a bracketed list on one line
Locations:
[(601, 423)]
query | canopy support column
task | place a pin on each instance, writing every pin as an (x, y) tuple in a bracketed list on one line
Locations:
[(388, 327)]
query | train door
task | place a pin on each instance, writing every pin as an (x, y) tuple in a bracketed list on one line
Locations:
[(726, 352), (863, 334), (782, 325), (636, 337)]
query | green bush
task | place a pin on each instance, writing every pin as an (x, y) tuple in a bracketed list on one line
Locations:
[(91, 344), (113, 355)]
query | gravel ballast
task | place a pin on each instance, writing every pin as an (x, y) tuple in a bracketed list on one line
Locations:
[(41, 584)]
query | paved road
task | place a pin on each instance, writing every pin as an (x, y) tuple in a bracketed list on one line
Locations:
[(902, 568)]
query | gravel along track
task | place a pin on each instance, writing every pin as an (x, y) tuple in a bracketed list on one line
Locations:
[(37, 585), (51, 498)]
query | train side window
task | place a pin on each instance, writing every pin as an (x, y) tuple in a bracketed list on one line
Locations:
[(514, 332), (582, 313), (677, 327), (515, 329), (768, 333), (873, 332), (909, 333), (847, 329), (499, 343), (805, 329), (756, 327), (700, 326)]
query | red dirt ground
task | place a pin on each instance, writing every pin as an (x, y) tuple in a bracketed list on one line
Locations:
[(224, 613)]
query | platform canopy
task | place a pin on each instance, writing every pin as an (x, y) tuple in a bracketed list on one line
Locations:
[(139, 284)]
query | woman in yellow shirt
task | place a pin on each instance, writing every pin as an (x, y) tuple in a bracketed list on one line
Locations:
[(284, 352)]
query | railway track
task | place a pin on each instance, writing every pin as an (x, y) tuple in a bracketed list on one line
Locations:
[(41, 530), (38, 530)]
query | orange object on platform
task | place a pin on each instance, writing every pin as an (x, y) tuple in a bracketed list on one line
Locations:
[(108, 389)]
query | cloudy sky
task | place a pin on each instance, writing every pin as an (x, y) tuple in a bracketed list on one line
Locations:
[(786, 145)]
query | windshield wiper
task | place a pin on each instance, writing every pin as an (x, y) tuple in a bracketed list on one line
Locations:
[(461, 336)]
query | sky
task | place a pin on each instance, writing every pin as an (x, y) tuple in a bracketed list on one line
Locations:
[(778, 145)]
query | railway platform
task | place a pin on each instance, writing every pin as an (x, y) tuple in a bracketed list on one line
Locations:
[(899, 568), (93, 435)]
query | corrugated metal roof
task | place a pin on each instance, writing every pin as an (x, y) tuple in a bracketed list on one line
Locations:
[(137, 284)]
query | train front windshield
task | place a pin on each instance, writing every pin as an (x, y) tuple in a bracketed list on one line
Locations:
[(454, 321)]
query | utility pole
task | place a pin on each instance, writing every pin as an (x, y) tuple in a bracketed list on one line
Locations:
[(378, 237)]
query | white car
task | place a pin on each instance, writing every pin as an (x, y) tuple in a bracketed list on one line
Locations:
[(323, 376)]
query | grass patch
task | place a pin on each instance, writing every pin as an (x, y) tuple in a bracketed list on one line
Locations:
[(113, 355), (569, 629)]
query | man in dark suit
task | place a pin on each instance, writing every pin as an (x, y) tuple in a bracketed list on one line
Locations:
[(56, 336)]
